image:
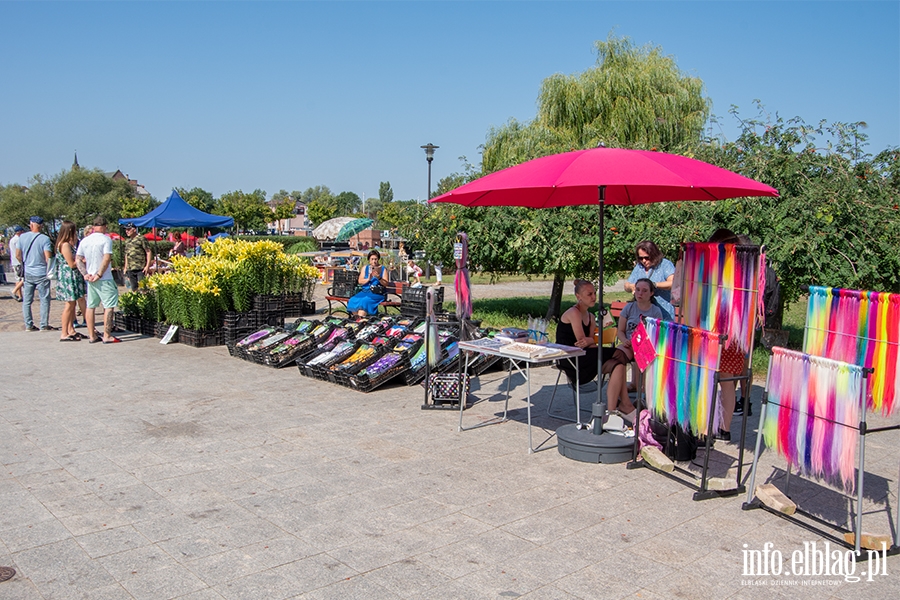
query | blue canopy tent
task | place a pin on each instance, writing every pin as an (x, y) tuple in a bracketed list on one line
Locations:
[(175, 212)]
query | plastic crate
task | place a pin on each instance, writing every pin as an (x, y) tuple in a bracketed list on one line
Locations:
[(344, 368), (364, 382), (413, 301), (200, 338), (344, 283), (148, 327)]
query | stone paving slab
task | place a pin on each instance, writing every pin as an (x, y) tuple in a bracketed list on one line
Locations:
[(148, 471)]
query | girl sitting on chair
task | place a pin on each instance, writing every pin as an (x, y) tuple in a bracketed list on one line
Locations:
[(371, 278), (617, 397), (577, 327)]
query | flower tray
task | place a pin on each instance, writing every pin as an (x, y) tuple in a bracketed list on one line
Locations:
[(364, 382)]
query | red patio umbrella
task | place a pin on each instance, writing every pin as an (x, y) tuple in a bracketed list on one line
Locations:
[(113, 235), (153, 237), (605, 176)]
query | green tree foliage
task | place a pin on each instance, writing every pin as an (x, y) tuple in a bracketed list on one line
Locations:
[(635, 97), (135, 207), (284, 209), (249, 211), (402, 215), (385, 193), (319, 192), (836, 223), (321, 209), (198, 198), (348, 203), (78, 195)]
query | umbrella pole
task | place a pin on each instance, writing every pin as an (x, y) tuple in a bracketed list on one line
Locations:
[(598, 408)]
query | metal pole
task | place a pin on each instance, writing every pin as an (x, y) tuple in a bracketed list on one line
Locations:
[(601, 198)]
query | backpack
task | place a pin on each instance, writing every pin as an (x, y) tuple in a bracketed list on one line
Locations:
[(676, 443)]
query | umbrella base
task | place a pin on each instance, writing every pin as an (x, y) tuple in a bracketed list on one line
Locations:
[(583, 445)]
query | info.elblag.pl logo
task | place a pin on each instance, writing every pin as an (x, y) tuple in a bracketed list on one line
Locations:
[(813, 561)]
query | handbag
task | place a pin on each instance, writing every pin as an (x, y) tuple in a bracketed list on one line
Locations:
[(445, 386), (377, 288), (20, 270), (51, 269)]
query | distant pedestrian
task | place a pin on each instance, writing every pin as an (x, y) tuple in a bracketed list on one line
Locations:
[(438, 273), (137, 257), (14, 261), (70, 286), (95, 256), (35, 252)]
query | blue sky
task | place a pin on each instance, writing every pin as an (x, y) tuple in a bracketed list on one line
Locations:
[(272, 95)]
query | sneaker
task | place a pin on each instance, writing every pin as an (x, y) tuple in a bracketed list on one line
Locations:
[(723, 435), (79, 325), (32, 328), (739, 408), (49, 328)]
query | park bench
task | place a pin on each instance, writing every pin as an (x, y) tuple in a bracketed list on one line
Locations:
[(344, 286)]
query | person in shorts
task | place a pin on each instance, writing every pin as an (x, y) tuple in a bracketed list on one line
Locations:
[(94, 256)]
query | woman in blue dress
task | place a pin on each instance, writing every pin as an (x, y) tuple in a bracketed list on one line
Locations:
[(366, 301), (652, 265)]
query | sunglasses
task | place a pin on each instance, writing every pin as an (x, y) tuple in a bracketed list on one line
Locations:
[(645, 257)]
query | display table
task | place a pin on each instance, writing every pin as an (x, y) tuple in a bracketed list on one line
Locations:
[(521, 357)]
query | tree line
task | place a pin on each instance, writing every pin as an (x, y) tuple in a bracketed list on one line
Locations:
[(80, 194), (835, 223)]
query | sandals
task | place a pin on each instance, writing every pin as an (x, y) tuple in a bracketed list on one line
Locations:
[(115, 340), (72, 338), (95, 340)]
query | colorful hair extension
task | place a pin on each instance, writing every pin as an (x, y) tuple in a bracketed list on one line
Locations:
[(680, 381), (461, 280), (862, 328), (722, 283), (813, 413)]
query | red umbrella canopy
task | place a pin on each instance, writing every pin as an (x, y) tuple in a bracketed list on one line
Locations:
[(153, 237), (628, 176), (113, 235)]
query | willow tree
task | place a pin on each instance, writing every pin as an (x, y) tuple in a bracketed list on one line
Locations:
[(634, 97)]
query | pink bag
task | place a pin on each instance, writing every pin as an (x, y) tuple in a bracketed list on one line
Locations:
[(645, 435), (644, 351)]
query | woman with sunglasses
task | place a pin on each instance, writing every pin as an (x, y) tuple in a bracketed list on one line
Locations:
[(652, 265)]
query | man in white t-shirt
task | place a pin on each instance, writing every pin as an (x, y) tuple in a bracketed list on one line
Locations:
[(94, 257)]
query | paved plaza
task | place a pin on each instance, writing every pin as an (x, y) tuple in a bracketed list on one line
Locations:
[(145, 471)]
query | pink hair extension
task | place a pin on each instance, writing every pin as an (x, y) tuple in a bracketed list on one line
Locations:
[(461, 280), (813, 414)]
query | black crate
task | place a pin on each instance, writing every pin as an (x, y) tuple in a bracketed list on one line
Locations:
[(270, 318), (413, 302), (307, 308), (119, 320), (344, 283), (270, 303), (148, 327), (364, 382), (344, 369), (200, 338), (233, 319)]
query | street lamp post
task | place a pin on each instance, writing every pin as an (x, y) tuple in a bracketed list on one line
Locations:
[(429, 156)]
